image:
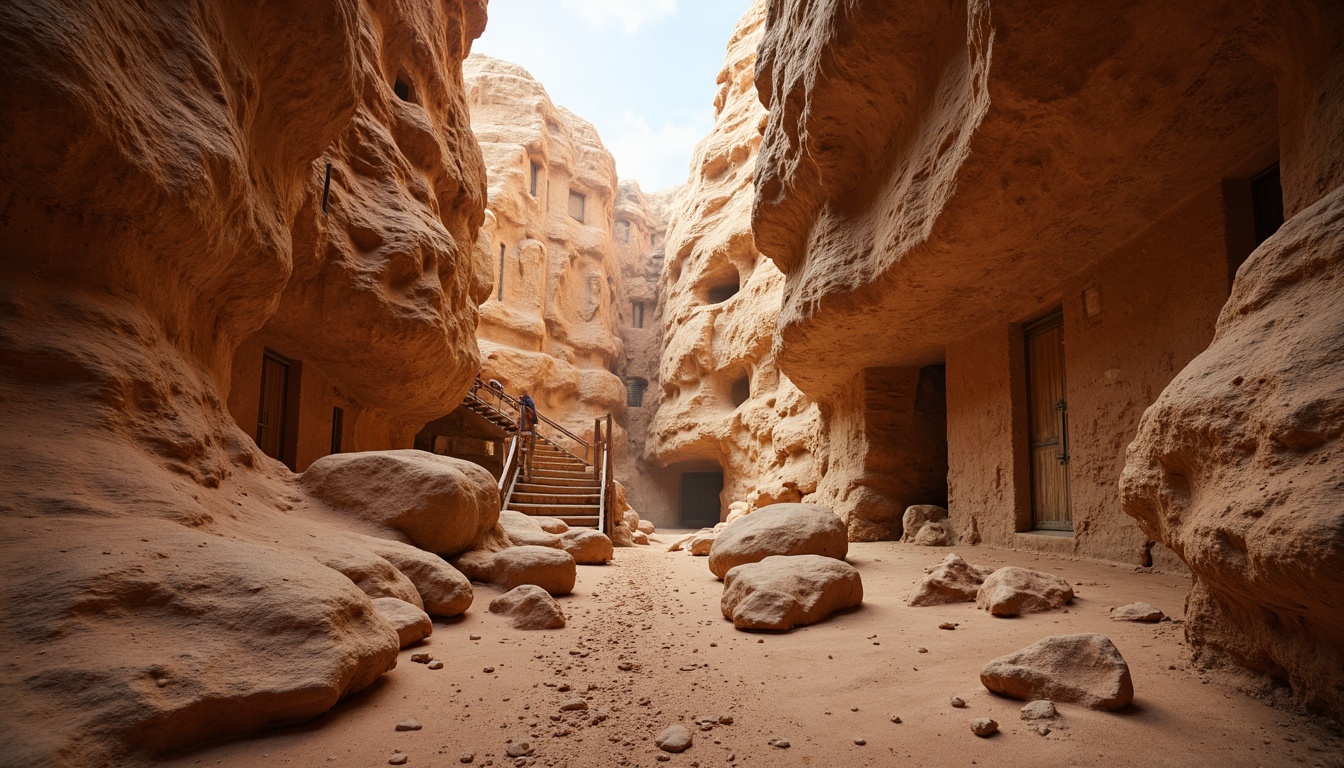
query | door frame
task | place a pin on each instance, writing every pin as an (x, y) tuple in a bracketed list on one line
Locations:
[(1054, 319)]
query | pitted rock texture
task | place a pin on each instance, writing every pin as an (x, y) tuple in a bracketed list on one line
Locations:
[(1012, 591), (952, 581), (439, 504), (722, 398), (1084, 669), (529, 607), (552, 323), (783, 592), (160, 201), (779, 529)]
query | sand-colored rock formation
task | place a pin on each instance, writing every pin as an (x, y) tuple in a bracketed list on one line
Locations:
[(1237, 465), (164, 581), (1039, 214), (724, 405), (552, 323)]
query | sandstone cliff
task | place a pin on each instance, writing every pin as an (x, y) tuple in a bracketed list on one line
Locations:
[(552, 323), (723, 402), (163, 581)]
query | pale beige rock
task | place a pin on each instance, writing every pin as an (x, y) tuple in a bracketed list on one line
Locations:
[(631, 518), (640, 537), (1084, 669), (1144, 612), (476, 565), (587, 546), (551, 569), (526, 531), (1012, 591), (645, 527), (442, 589), (779, 529), (923, 524), (782, 592), (529, 607), (551, 524), (162, 205), (411, 624), (722, 399), (952, 581), (437, 503), (622, 536), (700, 544)]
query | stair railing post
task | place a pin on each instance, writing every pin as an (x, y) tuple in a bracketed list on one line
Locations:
[(608, 487), (531, 443), (596, 452)]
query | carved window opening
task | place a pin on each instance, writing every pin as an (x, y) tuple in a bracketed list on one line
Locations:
[(623, 231), (637, 314), (723, 291), (1267, 203), (576, 204), (741, 390), (403, 88), (337, 428), (634, 392), (536, 178)]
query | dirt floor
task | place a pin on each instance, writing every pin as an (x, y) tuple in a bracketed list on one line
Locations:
[(647, 647)]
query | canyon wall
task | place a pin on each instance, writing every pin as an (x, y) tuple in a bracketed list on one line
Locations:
[(164, 581), (724, 405), (553, 323), (1044, 207)]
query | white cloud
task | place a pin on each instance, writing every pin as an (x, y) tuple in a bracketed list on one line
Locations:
[(630, 14), (655, 157)]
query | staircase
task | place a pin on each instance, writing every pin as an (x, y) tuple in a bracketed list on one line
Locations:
[(552, 482)]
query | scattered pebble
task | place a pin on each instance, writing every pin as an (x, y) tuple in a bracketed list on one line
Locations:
[(923, 650), (625, 666), (467, 757), (860, 742), (421, 658), (958, 702), (436, 664), (1041, 729), (725, 720), (397, 758), (409, 725), (948, 625), (488, 670), (896, 719), (984, 727), (574, 705), (1041, 709), (473, 637), (674, 738), (518, 748), (779, 743)]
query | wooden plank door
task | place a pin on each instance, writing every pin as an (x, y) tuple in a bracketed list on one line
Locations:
[(272, 413), (1048, 416), (700, 499)]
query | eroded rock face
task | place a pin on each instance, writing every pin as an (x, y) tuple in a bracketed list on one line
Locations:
[(587, 546), (952, 581), (410, 623), (722, 397), (783, 592), (439, 504), (924, 524), (551, 569), (1012, 591), (1084, 669), (155, 197), (529, 607), (779, 529)]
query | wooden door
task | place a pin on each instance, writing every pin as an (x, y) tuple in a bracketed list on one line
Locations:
[(1048, 416), (272, 413), (700, 499)]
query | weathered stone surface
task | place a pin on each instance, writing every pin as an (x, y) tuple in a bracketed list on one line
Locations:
[(1084, 669), (442, 589), (645, 527), (476, 565), (919, 517), (437, 503), (1011, 591), (162, 188), (411, 624), (551, 569), (700, 544), (779, 529), (782, 592), (722, 397), (952, 581), (639, 537), (1144, 612), (587, 546), (674, 738), (526, 531), (529, 607), (1041, 709), (551, 524)]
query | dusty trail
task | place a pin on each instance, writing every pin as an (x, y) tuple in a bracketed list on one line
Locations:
[(646, 647)]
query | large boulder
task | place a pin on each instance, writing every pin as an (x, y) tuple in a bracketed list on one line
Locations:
[(952, 581), (622, 536), (782, 592), (529, 607), (437, 503), (587, 546), (925, 525), (1084, 669), (700, 544), (411, 624), (779, 529), (526, 531), (442, 589), (551, 569), (1143, 612), (1011, 591)]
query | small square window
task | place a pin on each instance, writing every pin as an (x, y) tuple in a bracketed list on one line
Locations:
[(576, 202)]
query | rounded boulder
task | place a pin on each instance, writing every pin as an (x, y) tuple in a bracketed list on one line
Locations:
[(779, 529)]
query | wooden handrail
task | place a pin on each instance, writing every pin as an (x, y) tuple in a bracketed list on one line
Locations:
[(608, 477), (509, 462), (504, 397)]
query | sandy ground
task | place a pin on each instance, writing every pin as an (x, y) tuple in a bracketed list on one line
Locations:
[(822, 688)]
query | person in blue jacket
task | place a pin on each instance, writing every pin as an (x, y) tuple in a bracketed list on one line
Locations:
[(529, 412)]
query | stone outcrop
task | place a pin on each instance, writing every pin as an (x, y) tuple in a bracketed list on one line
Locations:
[(1013, 591), (722, 398), (409, 622), (952, 581), (551, 569), (783, 592), (779, 529), (1236, 466), (587, 546), (529, 607), (552, 323), (165, 582), (1144, 612), (1084, 669), (439, 504)]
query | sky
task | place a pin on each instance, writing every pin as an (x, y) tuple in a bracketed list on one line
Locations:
[(641, 71)]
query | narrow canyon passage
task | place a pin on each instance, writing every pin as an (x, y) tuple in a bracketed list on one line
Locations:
[(646, 647)]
